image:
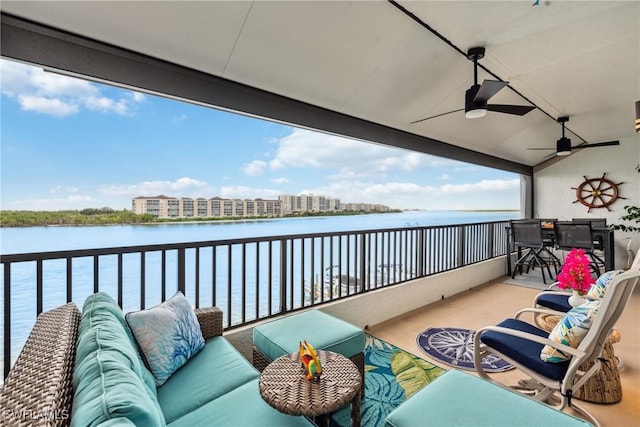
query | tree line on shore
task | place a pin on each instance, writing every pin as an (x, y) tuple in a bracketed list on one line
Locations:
[(101, 216), (108, 216)]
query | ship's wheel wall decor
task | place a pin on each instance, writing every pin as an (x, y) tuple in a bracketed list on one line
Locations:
[(596, 193)]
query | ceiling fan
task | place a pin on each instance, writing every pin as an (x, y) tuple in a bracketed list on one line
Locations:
[(563, 145), (476, 97)]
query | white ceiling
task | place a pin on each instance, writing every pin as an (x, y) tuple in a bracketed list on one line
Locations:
[(369, 60)]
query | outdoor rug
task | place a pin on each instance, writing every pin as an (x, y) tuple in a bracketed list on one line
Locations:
[(533, 279), (454, 347), (391, 376)]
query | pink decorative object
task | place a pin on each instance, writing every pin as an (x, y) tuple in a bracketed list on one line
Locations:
[(576, 273)]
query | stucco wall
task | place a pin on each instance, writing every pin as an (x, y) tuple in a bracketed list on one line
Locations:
[(376, 307), (554, 196)]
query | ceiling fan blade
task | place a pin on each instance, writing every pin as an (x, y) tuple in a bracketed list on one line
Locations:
[(437, 115), (488, 88), (517, 110), (597, 144)]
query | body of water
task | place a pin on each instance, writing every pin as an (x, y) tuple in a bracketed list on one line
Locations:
[(54, 238)]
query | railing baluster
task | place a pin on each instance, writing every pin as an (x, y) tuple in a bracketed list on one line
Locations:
[(283, 276), (39, 296), (181, 270), (197, 278), (312, 291), (163, 271), (302, 272), (214, 275), (143, 283), (270, 289), (244, 283), (69, 279), (6, 358), (96, 274), (257, 299), (363, 262), (229, 282), (120, 301), (291, 282)]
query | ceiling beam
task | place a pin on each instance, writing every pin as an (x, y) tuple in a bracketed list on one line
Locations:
[(60, 51)]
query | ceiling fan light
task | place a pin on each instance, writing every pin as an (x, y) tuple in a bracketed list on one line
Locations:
[(563, 146), (638, 116), (476, 113), (472, 108)]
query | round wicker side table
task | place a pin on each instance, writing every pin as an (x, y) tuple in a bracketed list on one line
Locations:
[(283, 385), (604, 386)]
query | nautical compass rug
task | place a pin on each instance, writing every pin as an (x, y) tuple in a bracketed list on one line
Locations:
[(454, 347)]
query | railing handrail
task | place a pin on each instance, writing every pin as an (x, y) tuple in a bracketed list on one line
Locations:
[(48, 255)]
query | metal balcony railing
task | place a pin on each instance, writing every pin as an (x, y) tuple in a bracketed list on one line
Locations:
[(250, 279)]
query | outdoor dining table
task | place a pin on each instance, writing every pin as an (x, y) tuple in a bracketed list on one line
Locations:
[(602, 234)]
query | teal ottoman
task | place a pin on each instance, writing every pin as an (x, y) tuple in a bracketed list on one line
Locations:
[(457, 399), (323, 331)]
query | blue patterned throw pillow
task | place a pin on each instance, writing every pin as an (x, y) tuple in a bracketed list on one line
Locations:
[(168, 335), (599, 288), (570, 331)]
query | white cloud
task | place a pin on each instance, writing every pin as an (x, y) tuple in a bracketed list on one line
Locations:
[(303, 148), (54, 107), (483, 186), (178, 188), (486, 194), (281, 180), (254, 168), (444, 177), (58, 95), (72, 202), (179, 118), (60, 189)]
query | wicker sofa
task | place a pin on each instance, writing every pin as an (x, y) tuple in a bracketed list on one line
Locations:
[(47, 386)]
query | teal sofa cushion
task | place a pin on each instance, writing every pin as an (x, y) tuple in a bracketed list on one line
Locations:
[(241, 406), (321, 330), (216, 370), (101, 309), (108, 377), (457, 399)]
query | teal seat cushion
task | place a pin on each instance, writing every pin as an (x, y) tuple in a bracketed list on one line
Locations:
[(242, 406), (459, 399), (321, 330), (108, 377), (215, 370)]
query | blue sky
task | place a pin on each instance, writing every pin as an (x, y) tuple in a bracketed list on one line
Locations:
[(73, 144)]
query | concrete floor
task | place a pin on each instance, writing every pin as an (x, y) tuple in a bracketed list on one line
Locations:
[(489, 304)]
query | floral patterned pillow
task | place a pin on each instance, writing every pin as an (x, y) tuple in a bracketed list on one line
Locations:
[(168, 335), (599, 288), (570, 330)]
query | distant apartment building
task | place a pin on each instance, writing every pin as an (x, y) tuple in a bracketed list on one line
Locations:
[(312, 203), (308, 203), (216, 207), (365, 207)]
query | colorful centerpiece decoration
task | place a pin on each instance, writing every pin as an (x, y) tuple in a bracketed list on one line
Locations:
[(310, 361), (576, 273)]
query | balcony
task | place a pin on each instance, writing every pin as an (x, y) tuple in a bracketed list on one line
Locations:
[(394, 282)]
